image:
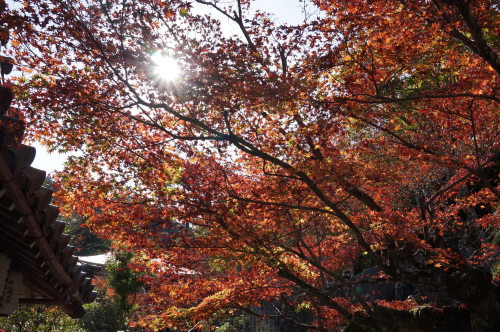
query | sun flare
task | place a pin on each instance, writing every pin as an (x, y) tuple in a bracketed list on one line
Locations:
[(165, 67)]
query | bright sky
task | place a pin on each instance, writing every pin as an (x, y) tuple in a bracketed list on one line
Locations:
[(287, 11), (47, 162)]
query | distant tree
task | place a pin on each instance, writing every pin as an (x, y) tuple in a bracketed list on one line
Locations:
[(117, 288), (102, 311), (85, 241), (124, 281)]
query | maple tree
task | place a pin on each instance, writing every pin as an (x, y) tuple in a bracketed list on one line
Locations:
[(282, 154)]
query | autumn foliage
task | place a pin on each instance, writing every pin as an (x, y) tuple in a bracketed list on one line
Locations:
[(283, 154)]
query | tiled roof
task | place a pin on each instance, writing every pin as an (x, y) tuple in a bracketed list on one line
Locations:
[(33, 246)]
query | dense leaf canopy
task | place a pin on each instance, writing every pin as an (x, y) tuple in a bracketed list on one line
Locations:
[(282, 154)]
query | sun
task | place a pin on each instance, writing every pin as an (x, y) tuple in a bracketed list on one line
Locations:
[(165, 67)]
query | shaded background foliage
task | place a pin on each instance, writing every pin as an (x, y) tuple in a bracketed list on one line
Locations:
[(39, 318)]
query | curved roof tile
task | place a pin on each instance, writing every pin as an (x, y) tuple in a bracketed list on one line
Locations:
[(31, 238)]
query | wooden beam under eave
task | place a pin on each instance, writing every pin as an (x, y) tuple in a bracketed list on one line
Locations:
[(14, 229), (33, 278), (45, 288), (18, 250), (18, 247)]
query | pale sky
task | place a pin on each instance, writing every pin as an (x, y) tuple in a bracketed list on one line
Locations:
[(45, 161), (287, 11)]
